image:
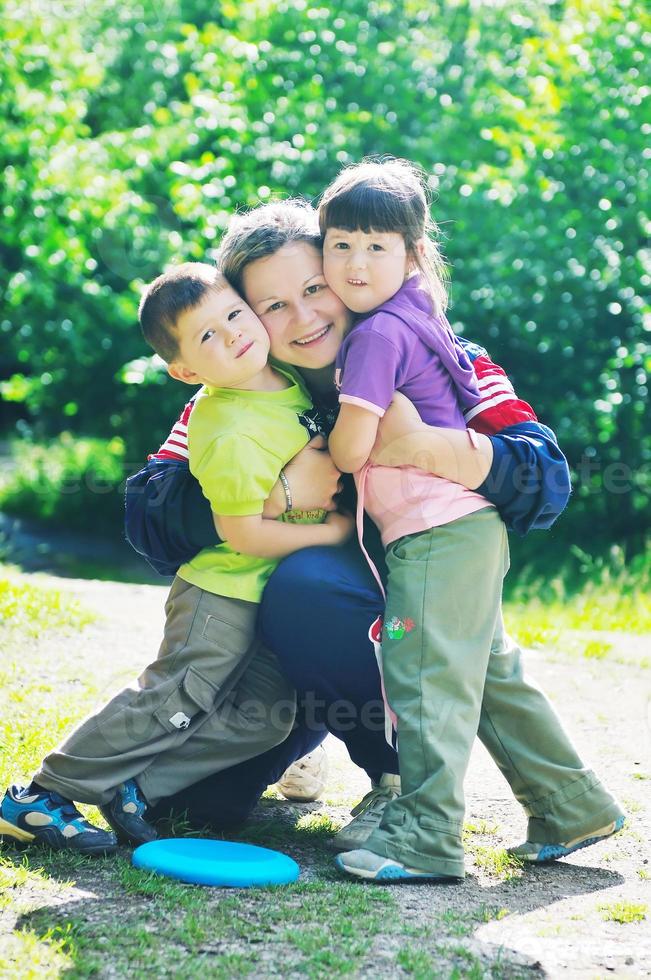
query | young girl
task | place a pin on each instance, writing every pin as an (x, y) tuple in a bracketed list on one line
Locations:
[(447, 549)]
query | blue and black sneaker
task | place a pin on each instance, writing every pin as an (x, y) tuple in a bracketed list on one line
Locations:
[(46, 819), (126, 814)]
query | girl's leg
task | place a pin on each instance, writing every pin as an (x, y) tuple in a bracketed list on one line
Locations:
[(562, 798), (444, 595), (316, 613)]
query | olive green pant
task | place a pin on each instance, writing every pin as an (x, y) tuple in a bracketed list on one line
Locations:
[(213, 698), (451, 672)]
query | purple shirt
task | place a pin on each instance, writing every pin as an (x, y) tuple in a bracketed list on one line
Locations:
[(402, 346)]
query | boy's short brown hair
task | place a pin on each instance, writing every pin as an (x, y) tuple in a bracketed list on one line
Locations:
[(181, 288)]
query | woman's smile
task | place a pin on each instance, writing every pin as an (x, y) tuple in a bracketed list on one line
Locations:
[(314, 337)]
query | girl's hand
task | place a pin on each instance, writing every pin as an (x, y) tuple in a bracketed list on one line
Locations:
[(343, 526), (313, 479)]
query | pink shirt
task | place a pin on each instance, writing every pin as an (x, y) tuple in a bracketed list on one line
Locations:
[(406, 500)]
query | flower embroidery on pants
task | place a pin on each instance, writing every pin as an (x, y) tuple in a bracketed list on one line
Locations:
[(396, 628)]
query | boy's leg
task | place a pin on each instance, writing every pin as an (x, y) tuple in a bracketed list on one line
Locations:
[(316, 612), (563, 799), (207, 644), (444, 594), (257, 715), (226, 798)]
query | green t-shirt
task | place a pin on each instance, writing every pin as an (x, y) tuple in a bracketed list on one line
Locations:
[(238, 442)]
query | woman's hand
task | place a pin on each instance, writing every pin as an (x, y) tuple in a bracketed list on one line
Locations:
[(403, 439), (399, 427), (343, 526), (313, 480)]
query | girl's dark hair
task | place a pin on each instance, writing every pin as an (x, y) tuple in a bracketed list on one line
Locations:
[(383, 196), (261, 232)]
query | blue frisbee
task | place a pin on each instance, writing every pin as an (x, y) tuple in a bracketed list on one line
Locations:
[(216, 862)]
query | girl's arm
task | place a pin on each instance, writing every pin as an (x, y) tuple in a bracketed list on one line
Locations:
[(262, 538), (403, 439), (353, 437)]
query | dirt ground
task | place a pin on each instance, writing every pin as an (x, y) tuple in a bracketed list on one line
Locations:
[(564, 919)]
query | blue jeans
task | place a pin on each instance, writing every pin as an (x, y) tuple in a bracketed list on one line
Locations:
[(316, 613)]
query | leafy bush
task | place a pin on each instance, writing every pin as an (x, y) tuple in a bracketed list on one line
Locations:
[(77, 483), (129, 133)]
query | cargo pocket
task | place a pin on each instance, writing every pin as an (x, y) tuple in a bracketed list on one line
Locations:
[(194, 695)]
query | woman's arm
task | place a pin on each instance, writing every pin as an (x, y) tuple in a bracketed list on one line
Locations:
[(167, 518), (403, 439), (274, 539), (520, 469)]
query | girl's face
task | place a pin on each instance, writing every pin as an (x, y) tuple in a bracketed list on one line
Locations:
[(305, 321), (365, 269)]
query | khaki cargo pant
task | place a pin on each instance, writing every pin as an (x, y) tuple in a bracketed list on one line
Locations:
[(453, 673), (213, 698)]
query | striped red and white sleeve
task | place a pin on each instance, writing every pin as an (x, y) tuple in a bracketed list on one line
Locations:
[(499, 406), (176, 444)]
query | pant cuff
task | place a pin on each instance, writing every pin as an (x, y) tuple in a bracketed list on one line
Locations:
[(72, 790), (574, 809), (451, 868)]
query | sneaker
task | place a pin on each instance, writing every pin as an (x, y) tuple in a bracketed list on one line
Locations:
[(373, 867), (49, 820), (536, 853), (126, 815), (367, 814), (304, 781)]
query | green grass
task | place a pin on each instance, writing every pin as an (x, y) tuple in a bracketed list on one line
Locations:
[(617, 598), (624, 912), (31, 609)]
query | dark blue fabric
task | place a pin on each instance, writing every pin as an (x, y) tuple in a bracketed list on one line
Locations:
[(227, 798), (529, 481), (167, 518)]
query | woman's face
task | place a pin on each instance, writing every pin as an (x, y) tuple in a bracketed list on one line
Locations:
[(305, 321)]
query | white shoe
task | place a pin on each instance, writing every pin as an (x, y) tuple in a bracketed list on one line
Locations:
[(372, 867), (367, 814), (305, 779)]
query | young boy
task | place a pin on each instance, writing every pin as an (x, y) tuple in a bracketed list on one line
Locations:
[(214, 696)]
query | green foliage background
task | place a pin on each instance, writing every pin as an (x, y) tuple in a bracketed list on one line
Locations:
[(130, 132)]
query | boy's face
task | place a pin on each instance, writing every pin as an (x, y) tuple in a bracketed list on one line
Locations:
[(221, 343), (365, 269)]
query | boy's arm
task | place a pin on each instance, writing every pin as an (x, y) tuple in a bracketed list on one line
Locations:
[(167, 518), (353, 437), (261, 538)]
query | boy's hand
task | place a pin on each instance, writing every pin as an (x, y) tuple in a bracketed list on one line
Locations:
[(343, 526), (313, 479)]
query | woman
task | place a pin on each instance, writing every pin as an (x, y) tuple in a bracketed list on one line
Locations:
[(320, 604)]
